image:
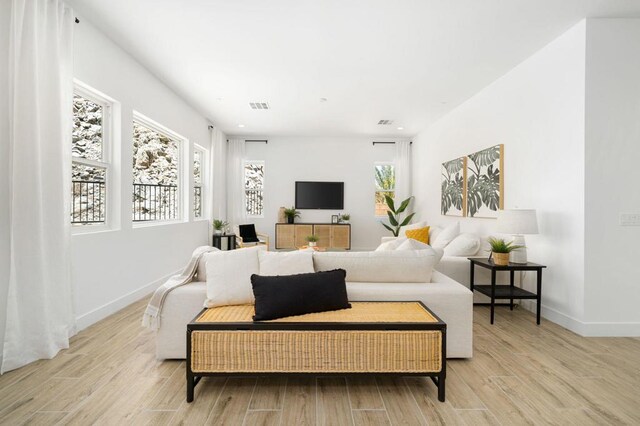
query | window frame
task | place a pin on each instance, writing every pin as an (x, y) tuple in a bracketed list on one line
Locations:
[(183, 184), (376, 190), (204, 169), (108, 105), (244, 190)]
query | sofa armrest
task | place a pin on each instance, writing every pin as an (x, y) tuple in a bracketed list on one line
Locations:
[(387, 239)]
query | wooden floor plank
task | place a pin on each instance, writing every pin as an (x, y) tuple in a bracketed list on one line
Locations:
[(262, 418), (333, 401), (299, 404), (269, 393), (364, 393), (370, 418), (205, 398), (400, 405), (426, 395), (233, 401)]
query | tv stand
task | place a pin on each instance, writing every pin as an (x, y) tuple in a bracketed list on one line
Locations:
[(330, 235)]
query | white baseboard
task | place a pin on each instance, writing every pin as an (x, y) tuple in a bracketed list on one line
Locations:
[(85, 320), (586, 329)]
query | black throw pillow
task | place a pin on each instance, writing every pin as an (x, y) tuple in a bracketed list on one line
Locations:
[(288, 295)]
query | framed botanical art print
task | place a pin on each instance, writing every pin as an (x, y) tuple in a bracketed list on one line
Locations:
[(453, 189), (485, 182)]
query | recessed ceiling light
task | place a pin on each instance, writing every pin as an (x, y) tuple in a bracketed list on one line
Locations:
[(400, 128), (323, 99), (240, 125)]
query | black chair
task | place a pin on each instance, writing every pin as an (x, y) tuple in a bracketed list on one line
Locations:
[(248, 237)]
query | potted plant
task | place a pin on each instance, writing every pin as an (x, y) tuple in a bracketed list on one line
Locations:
[(500, 250), (312, 240), (291, 214), (218, 226), (395, 221), (345, 218)]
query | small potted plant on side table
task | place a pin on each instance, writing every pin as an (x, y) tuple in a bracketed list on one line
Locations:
[(312, 240), (219, 226), (500, 250), (291, 214), (345, 218)]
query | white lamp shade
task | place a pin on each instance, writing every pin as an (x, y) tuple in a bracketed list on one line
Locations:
[(517, 221)]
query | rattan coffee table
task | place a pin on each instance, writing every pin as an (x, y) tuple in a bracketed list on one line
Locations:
[(375, 338)]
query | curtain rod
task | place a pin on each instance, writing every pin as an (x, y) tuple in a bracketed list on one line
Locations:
[(255, 140), (387, 143)]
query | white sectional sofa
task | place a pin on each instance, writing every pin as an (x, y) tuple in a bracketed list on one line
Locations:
[(371, 276)]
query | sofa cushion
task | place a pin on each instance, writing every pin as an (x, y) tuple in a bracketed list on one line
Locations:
[(465, 244), (447, 235), (284, 296), (413, 266), (285, 263), (412, 226), (391, 245), (229, 276), (411, 244)]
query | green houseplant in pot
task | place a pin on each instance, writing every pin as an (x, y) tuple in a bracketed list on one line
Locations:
[(345, 218), (395, 215), (312, 240), (291, 214), (218, 226), (500, 250)]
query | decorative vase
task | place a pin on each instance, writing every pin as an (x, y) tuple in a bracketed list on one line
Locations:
[(312, 243), (501, 259), (290, 219), (282, 218)]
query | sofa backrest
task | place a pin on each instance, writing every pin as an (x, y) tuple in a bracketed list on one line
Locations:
[(379, 266)]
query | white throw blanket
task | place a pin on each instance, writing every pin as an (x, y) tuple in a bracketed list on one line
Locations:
[(151, 318)]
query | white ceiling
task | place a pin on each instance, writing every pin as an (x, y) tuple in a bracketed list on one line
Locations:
[(407, 60)]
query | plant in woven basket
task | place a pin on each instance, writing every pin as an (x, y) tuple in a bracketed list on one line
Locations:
[(291, 214), (395, 221), (500, 250)]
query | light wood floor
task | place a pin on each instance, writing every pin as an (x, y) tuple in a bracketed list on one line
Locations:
[(520, 374)]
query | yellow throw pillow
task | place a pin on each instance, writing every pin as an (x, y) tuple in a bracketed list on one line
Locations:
[(420, 234)]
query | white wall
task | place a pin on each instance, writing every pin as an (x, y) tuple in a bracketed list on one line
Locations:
[(5, 9), (114, 268), (612, 291), (348, 160), (537, 111)]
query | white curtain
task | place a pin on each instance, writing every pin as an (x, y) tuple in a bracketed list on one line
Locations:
[(40, 317), (402, 163), (236, 211), (218, 176)]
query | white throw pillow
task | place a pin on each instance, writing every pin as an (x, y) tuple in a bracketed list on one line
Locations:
[(411, 244), (434, 231), (229, 276), (463, 245), (446, 235), (417, 225), (391, 245), (285, 263), (201, 270)]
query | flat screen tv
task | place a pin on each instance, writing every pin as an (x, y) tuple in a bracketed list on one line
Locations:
[(320, 195)]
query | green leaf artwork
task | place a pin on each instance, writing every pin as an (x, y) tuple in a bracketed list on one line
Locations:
[(483, 182), (452, 194)]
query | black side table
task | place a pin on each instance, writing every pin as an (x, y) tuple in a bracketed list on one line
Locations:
[(216, 241), (506, 291)]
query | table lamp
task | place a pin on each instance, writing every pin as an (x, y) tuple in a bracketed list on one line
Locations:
[(518, 222)]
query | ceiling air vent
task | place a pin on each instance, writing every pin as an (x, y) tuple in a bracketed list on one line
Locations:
[(259, 105), (385, 122)]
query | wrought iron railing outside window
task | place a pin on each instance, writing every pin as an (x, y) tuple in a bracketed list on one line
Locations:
[(155, 202), (88, 202)]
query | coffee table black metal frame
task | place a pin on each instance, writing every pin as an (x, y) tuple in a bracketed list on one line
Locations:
[(510, 291), (438, 378)]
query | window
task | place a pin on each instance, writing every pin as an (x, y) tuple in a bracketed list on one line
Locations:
[(90, 152), (385, 179), (156, 172), (254, 188), (198, 170)]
